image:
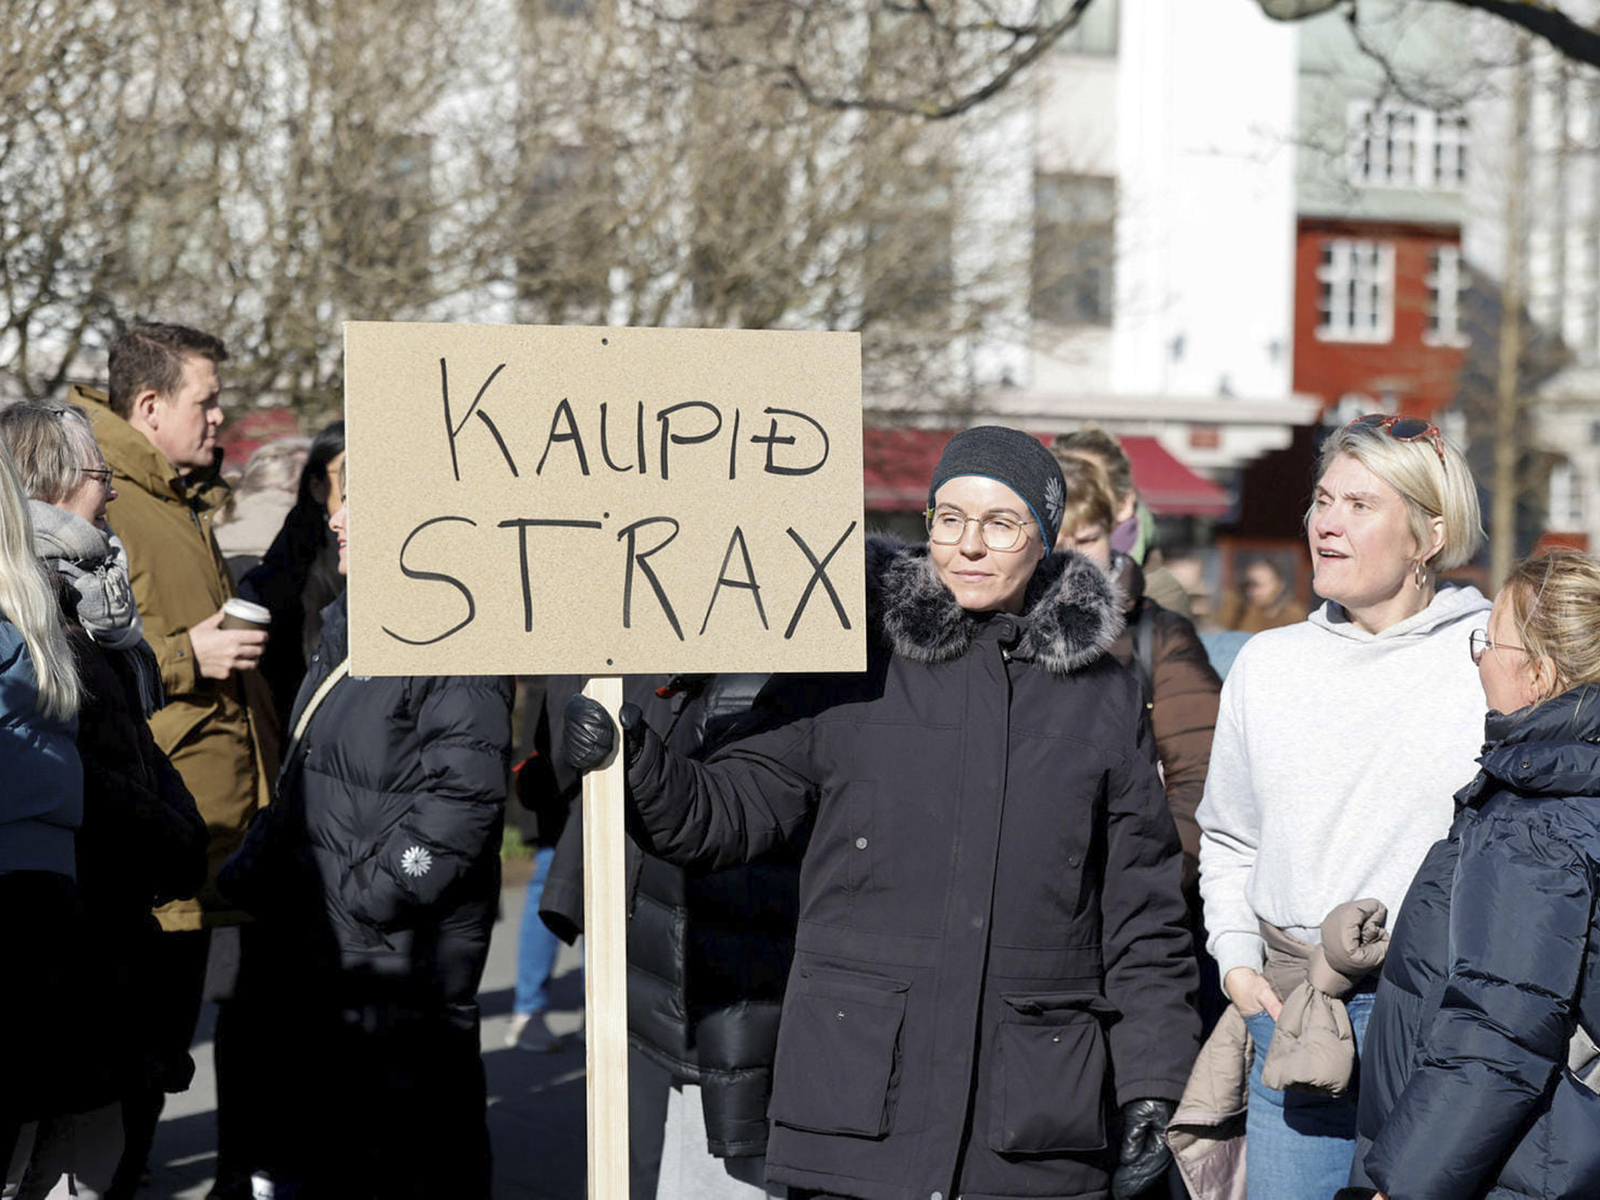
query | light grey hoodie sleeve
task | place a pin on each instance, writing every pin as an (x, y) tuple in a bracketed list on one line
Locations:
[(1230, 832)]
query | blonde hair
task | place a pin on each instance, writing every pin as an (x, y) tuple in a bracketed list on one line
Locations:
[(28, 601), (1555, 601), (1431, 477), (1090, 499), (275, 467), (49, 445)]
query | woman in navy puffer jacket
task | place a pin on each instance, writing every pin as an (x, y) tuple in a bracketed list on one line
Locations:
[(1480, 1068), (375, 876), (41, 804)]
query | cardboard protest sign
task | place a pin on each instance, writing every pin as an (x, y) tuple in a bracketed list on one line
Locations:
[(531, 500)]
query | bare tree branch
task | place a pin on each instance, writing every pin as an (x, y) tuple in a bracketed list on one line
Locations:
[(1543, 18), (933, 59)]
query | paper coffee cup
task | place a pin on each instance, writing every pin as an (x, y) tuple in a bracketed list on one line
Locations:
[(242, 614)]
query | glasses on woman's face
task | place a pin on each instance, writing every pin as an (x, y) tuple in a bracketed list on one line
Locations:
[(102, 474), (1403, 429), (1479, 643), (947, 526)]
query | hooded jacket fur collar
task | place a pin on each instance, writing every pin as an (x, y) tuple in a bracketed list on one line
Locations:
[(1070, 615)]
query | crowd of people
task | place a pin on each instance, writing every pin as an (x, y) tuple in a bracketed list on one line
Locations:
[(1037, 905)]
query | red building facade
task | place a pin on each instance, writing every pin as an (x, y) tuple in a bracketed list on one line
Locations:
[(1378, 320)]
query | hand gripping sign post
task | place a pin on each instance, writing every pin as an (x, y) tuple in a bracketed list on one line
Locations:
[(533, 500)]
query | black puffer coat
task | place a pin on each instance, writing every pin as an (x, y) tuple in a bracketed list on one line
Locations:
[(1493, 962), (386, 830), (708, 954), (141, 844), (992, 945)]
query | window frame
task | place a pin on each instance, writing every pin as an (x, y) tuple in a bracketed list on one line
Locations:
[(1446, 281), (1344, 272), (1406, 146)]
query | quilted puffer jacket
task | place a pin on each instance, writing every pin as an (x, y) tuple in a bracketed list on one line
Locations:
[(385, 835), (708, 953), (1473, 1091)]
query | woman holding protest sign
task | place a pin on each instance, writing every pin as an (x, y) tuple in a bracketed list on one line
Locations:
[(992, 984), (375, 874)]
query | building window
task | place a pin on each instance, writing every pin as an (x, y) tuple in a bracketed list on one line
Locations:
[(910, 240), (1074, 249), (564, 236), (1450, 150), (383, 215), (1567, 499), (1395, 145), (1355, 291), (1446, 280)]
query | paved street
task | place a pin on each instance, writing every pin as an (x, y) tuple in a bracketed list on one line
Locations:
[(536, 1101)]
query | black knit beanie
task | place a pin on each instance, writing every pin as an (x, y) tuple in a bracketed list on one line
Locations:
[(1013, 458)]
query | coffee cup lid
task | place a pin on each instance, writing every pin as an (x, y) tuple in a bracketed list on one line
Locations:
[(247, 610)]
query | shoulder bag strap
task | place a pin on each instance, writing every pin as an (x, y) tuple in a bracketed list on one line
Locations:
[(1143, 664), (317, 697)]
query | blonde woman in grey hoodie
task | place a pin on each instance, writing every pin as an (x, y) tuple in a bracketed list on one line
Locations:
[(1339, 743)]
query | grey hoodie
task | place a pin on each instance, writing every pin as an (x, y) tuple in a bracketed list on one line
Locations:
[(1335, 758)]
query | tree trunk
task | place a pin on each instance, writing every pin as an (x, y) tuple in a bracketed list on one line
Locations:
[(1507, 445)]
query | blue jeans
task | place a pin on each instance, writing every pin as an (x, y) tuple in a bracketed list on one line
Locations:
[(1299, 1145), (536, 945)]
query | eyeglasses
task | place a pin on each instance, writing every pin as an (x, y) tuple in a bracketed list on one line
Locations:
[(1403, 429), (103, 474), (1478, 642), (947, 526)]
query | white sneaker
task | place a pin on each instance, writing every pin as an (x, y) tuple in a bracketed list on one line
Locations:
[(533, 1033), (518, 1023)]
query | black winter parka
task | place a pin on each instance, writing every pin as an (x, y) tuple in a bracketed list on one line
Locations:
[(708, 953), (1465, 1086), (992, 947), (142, 843), (385, 834)]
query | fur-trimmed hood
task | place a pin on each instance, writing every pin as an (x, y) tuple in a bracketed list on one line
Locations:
[(1070, 616)]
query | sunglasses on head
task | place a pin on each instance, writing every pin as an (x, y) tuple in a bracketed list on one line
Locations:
[(1403, 429)]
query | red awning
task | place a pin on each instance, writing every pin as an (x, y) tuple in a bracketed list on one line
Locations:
[(1169, 488), (897, 465), (899, 462)]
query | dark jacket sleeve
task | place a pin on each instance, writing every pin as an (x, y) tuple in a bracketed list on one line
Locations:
[(276, 582), (750, 799), (543, 801), (182, 832), (464, 736), (1186, 691), (1150, 973), (1521, 907), (140, 824), (561, 901)]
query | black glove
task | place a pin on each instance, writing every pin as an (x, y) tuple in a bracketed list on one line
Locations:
[(589, 735), (1145, 1155)]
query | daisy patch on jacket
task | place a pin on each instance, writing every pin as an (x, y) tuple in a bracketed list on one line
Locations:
[(416, 861)]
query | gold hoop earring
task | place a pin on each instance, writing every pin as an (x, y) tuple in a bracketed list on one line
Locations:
[(1420, 573)]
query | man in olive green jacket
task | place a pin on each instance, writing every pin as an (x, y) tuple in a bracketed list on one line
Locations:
[(157, 430)]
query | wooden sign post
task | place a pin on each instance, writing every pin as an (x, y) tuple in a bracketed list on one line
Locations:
[(533, 500), (605, 960)]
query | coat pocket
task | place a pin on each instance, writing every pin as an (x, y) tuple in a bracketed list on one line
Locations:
[(1049, 1073), (838, 1052)]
